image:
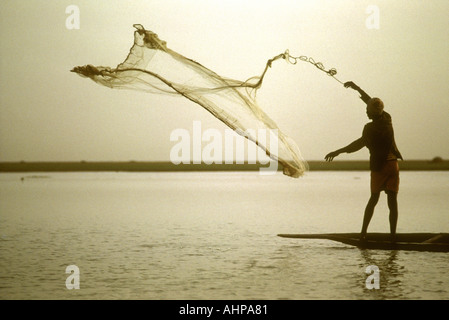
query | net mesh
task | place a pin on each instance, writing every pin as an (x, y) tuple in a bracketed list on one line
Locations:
[(152, 67)]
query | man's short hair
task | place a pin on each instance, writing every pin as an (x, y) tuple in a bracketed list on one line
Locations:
[(375, 106)]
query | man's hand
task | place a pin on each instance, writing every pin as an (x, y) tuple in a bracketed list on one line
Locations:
[(350, 84), (363, 95), (329, 157)]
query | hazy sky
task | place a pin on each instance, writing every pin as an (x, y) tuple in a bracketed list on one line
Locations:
[(50, 114)]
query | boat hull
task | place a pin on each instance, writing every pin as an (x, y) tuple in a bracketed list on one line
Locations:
[(432, 242)]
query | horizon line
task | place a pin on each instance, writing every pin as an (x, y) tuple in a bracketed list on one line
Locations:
[(167, 166)]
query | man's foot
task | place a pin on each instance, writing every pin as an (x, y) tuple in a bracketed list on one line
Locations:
[(393, 238), (362, 237)]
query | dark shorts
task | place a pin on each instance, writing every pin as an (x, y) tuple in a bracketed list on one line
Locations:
[(387, 179)]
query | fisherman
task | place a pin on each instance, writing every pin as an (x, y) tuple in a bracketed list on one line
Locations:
[(378, 137)]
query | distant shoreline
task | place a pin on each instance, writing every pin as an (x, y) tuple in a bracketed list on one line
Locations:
[(138, 166)]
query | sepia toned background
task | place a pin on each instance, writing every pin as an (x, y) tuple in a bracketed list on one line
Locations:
[(48, 113)]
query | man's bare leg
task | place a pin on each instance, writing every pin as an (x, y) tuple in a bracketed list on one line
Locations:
[(369, 211), (393, 206)]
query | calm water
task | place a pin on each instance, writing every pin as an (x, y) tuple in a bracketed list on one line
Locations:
[(212, 236)]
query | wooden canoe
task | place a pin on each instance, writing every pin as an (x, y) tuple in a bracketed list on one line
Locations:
[(434, 242)]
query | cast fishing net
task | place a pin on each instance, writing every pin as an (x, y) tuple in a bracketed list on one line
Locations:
[(152, 67)]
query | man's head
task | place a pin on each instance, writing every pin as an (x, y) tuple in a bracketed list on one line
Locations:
[(374, 108)]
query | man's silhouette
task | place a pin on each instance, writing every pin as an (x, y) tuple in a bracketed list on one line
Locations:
[(378, 137)]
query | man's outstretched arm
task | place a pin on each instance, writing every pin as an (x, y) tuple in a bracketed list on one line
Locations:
[(363, 95), (352, 147)]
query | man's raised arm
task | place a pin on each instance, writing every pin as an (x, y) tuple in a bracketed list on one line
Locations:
[(363, 95)]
